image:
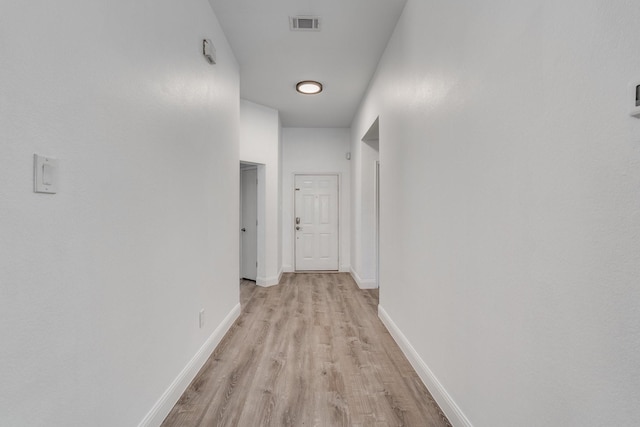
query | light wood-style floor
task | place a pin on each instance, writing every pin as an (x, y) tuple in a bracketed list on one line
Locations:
[(308, 352)]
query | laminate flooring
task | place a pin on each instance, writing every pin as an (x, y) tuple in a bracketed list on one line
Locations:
[(308, 352)]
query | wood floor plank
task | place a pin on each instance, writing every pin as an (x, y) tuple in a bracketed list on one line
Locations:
[(308, 352)]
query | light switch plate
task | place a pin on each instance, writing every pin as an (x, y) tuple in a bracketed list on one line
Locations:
[(45, 174)]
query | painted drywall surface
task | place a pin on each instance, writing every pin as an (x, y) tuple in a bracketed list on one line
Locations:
[(102, 283), (510, 215), (315, 150), (260, 143)]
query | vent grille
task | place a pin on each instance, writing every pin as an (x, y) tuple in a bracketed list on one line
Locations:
[(304, 23)]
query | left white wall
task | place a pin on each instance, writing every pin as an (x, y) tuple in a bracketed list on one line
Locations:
[(102, 283)]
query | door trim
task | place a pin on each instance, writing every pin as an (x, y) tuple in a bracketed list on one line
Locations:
[(377, 222), (245, 167), (293, 210)]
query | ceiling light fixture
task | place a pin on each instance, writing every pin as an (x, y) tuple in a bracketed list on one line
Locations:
[(309, 87)]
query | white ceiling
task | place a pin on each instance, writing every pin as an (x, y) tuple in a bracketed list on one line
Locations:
[(343, 55)]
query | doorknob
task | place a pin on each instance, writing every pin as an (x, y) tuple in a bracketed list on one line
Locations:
[(297, 220), (298, 227), (244, 229)]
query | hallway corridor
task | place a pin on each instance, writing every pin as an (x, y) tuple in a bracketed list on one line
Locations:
[(308, 352)]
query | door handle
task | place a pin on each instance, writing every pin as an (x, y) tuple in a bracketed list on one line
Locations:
[(244, 229), (297, 220), (298, 227)]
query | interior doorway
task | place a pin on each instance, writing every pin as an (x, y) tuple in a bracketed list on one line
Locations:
[(377, 222), (370, 170), (248, 221), (315, 224)]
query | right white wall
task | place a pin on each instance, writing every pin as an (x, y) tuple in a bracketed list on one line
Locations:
[(510, 207)]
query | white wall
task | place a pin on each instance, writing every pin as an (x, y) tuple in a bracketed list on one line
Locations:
[(102, 283), (315, 150), (260, 143), (510, 226)]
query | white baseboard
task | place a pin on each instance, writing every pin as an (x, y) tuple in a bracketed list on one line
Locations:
[(167, 401), (269, 281), (363, 283), (288, 269), (265, 282), (437, 390)]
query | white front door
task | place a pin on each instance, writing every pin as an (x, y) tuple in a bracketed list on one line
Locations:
[(248, 225), (316, 222)]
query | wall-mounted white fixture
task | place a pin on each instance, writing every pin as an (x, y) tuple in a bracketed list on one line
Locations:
[(45, 174), (634, 99), (348, 156), (309, 87), (209, 51)]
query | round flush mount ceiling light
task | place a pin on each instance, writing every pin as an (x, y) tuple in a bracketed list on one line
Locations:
[(309, 87)]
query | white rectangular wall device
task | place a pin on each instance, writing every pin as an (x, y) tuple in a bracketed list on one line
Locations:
[(45, 174)]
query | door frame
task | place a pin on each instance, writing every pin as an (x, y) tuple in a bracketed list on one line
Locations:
[(261, 220), (244, 167), (377, 221), (293, 210)]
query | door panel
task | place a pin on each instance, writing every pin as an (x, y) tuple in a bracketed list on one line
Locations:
[(307, 212), (325, 246), (316, 234), (307, 246), (325, 206)]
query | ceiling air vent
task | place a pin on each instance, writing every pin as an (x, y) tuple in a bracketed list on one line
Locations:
[(304, 23)]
